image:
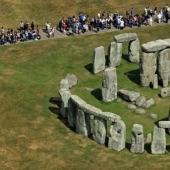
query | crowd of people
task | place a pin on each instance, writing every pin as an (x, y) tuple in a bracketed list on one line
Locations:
[(84, 23), (22, 34)]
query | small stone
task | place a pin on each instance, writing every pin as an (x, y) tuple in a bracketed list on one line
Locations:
[(140, 111), (153, 116), (88, 89), (131, 106), (140, 100), (148, 103)]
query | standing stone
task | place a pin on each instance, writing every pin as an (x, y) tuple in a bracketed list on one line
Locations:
[(99, 130), (65, 96), (134, 47), (72, 79), (115, 54), (72, 108), (99, 60), (83, 123), (165, 92), (159, 141), (164, 66), (147, 68), (117, 137), (155, 82), (64, 84), (140, 100), (149, 138), (109, 85), (137, 145)]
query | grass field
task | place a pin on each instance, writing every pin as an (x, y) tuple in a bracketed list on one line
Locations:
[(33, 136)]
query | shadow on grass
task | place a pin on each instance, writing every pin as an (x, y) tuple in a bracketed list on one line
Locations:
[(147, 147), (126, 57), (128, 146), (134, 76), (97, 93), (55, 100), (89, 67)]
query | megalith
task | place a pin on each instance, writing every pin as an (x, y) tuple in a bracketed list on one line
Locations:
[(134, 47), (165, 92), (72, 108), (115, 54), (155, 82), (117, 136), (99, 60), (72, 79), (99, 130), (109, 85), (158, 145), (64, 84), (82, 123), (164, 66), (147, 68), (137, 143), (125, 37)]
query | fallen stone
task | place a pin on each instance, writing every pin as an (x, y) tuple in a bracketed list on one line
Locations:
[(158, 145), (148, 68), (131, 106), (117, 137), (72, 79), (109, 85), (88, 89), (153, 116), (99, 130), (137, 144), (99, 60), (165, 92), (140, 100), (115, 54), (140, 111), (154, 46), (164, 124), (134, 47), (125, 37), (148, 103), (128, 95)]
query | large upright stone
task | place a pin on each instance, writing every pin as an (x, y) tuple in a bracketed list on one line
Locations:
[(137, 145), (165, 92), (109, 85), (99, 130), (125, 37), (65, 96), (164, 66), (128, 95), (99, 60), (117, 137), (134, 47), (159, 141), (115, 54), (154, 46), (72, 79), (83, 123), (147, 68), (155, 82), (72, 109)]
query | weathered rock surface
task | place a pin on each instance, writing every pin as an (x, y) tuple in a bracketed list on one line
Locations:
[(72, 109), (147, 68), (148, 103), (149, 138), (125, 37), (153, 116), (72, 79), (109, 85), (165, 92), (131, 106), (140, 100), (82, 123), (134, 47), (117, 137), (99, 60), (115, 54), (64, 84), (164, 66), (140, 111), (159, 141), (78, 101), (137, 145), (99, 130), (155, 82), (128, 95), (154, 46), (65, 96), (164, 124)]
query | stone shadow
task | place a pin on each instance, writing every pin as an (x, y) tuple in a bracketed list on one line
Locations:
[(107, 60), (89, 67), (128, 146), (56, 101), (147, 147), (126, 57), (97, 93), (134, 76)]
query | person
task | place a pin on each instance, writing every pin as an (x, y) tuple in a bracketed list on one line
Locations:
[(53, 30), (32, 26), (37, 30), (122, 24), (21, 25), (167, 16)]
